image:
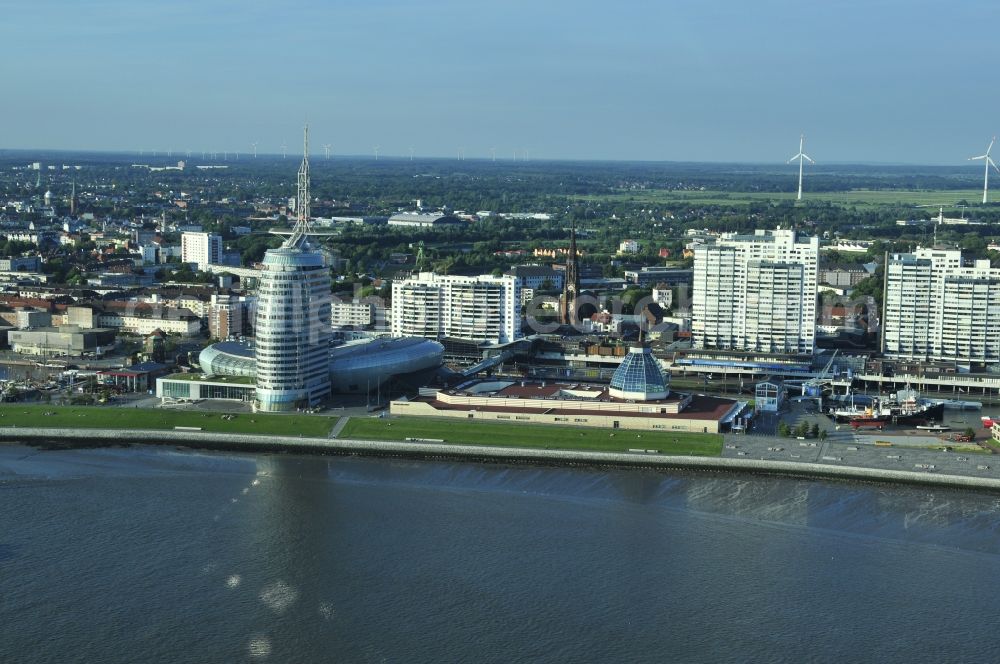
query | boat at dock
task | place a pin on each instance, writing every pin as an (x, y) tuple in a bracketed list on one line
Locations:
[(904, 407), (933, 428)]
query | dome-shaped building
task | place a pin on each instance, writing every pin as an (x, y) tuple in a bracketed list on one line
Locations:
[(639, 377)]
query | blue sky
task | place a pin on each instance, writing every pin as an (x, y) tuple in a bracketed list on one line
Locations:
[(908, 81)]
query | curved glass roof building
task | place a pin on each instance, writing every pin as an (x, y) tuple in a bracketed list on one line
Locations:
[(355, 367), (639, 377)]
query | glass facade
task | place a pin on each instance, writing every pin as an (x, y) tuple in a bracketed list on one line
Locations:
[(639, 377), (293, 329), (176, 389)]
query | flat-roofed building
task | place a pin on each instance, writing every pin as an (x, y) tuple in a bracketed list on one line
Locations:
[(202, 249), (425, 220), (939, 308), (352, 313), (483, 308), (63, 340), (572, 404), (756, 293)]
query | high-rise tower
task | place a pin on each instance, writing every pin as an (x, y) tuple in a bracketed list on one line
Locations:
[(568, 314), (293, 315)]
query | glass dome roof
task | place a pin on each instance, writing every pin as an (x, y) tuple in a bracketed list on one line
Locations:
[(639, 377)]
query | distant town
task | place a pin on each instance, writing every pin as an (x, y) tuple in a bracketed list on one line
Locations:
[(635, 297)]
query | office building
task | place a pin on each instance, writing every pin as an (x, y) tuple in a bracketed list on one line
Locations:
[(231, 316), (756, 293), (352, 313), (483, 309), (938, 308), (293, 316), (202, 249)]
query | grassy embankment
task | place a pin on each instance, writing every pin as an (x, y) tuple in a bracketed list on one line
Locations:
[(109, 417), (531, 435)]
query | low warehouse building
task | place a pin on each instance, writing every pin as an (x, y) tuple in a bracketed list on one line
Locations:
[(573, 404)]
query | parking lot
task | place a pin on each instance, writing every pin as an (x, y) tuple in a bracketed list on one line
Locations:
[(898, 448)]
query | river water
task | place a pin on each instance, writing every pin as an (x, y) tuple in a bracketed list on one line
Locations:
[(156, 555)]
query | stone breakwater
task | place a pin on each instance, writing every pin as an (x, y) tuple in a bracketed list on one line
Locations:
[(484, 453)]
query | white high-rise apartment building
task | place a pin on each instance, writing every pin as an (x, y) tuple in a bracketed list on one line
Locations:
[(482, 308), (756, 293), (202, 248), (936, 308)]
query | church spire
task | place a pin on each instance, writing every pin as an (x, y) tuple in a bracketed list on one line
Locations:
[(571, 285)]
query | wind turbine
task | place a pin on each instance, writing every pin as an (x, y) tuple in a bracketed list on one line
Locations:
[(326, 148), (987, 162), (411, 153), (253, 144), (493, 151), (376, 149), (801, 156), (284, 150)]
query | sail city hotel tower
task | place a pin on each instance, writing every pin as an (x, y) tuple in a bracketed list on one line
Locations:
[(293, 316)]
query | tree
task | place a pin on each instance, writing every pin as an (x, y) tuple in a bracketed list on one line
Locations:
[(783, 430), (822, 434), (814, 430), (802, 430)]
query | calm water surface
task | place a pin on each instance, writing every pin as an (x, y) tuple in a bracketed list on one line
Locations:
[(155, 555)]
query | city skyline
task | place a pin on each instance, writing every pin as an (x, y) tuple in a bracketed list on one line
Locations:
[(727, 84)]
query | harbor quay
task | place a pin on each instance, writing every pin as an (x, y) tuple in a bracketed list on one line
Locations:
[(835, 465)]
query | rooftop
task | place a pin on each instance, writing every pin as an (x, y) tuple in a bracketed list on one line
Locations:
[(205, 378)]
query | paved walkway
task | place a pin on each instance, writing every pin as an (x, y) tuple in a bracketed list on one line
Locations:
[(339, 426)]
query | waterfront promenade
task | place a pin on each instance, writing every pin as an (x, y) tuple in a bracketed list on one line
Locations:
[(956, 476)]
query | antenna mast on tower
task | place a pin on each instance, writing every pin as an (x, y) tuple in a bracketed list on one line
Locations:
[(302, 200)]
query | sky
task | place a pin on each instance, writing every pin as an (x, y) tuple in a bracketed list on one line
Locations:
[(888, 81)]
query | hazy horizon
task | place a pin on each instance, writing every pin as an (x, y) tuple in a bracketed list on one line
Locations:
[(886, 83)]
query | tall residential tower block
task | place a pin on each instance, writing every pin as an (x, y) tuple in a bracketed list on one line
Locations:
[(756, 293)]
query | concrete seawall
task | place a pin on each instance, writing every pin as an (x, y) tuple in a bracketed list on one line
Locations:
[(257, 443)]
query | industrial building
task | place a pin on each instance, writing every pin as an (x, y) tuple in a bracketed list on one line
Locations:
[(63, 340), (425, 220)]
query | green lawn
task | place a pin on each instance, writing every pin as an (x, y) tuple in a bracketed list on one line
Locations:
[(112, 417), (531, 435), (857, 197)]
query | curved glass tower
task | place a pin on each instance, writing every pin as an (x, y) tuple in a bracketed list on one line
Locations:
[(293, 316)]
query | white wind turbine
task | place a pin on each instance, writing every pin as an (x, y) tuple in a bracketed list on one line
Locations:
[(987, 162), (801, 156), (376, 149), (254, 146), (326, 148)]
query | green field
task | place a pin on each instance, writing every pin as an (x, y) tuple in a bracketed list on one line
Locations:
[(110, 417), (531, 435), (857, 197)]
